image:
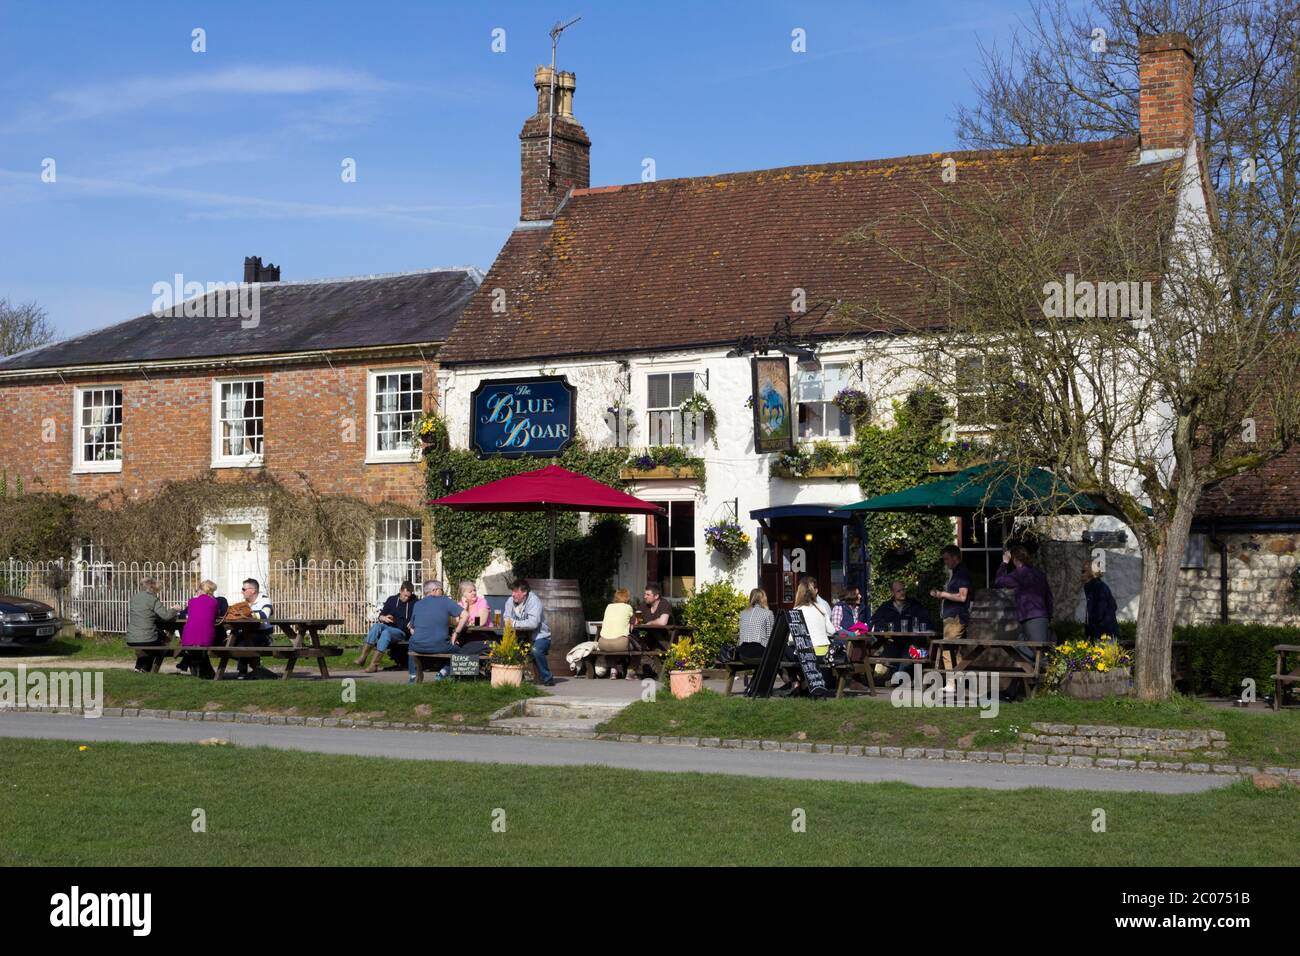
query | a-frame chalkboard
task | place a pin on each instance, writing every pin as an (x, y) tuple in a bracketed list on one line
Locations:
[(789, 626)]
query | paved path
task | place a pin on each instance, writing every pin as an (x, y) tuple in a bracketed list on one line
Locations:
[(540, 751)]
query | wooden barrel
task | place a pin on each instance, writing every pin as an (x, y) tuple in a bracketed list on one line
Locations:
[(993, 617), (562, 602)]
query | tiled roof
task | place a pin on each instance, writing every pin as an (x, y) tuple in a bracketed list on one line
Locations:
[(692, 262), (398, 309), (1268, 493)]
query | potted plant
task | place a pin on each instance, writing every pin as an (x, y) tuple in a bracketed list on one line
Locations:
[(429, 433), (507, 657), (1089, 670), (727, 539), (684, 664), (854, 403)]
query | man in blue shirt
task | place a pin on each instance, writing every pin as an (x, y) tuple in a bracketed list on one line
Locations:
[(525, 609), (430, 622), (955, 605), (393, 621)]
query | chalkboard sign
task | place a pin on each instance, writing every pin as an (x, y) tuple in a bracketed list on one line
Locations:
[(805, 654), (760, 685), (464, 665)]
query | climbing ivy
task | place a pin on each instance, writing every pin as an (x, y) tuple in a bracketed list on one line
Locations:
[(904, 547), (467, 539)]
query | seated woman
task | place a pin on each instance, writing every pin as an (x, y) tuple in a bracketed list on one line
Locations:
[(480, 615), (616, 627), (200, 629), (819, 626), (756, 623)]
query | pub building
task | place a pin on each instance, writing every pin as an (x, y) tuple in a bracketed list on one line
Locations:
[(702, 315)]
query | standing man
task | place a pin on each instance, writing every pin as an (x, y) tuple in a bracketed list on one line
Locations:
[(430, 620), (954, 607), (260, 606), (144, 617), (525, 610), (1100, 608)]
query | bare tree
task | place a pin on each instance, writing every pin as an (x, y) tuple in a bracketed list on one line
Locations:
[(23, 326), (1142, 400)]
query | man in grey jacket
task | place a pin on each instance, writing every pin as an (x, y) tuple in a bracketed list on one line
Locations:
[(525, 610), (144, 616)]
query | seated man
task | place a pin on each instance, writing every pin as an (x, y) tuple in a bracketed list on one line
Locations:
[(430, 620), (654, 609), (898, 613), (525, 611), (260, 606), (393, 621)]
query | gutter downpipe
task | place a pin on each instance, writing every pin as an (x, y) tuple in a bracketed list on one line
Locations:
[(1222, 547)]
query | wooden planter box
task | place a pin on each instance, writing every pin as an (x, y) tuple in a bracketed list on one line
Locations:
[(831, 471), (662, 471), (1094, 685)]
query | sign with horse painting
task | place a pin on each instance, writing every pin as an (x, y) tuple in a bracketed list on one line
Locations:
[(773, 413)]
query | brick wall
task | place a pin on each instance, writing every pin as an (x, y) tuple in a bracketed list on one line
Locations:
[(167, 432), (571, 152), (1165, 79)]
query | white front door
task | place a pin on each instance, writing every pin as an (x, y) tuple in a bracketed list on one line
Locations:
[(237, 558)]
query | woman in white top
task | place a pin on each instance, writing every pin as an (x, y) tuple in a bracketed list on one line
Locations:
[(817, 622)]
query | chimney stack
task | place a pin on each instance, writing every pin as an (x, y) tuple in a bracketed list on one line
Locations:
[(544, 183), (254, 271), (1166, 68)]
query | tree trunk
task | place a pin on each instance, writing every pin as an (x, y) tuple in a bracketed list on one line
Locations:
[(1162, 559)]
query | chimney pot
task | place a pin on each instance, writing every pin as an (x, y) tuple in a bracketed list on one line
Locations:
[(254, 271), (546, 177)]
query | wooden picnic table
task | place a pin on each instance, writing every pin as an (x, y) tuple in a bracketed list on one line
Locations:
[(974, 649), (873, 643), (660, 635), (1286, 673), (239, 632)]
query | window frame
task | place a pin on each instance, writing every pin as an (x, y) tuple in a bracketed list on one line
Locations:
[(219, 458), (845, 363), (986, 395), (693, 548), (373, 453), (676, 416), (79, 463), (413, 566)]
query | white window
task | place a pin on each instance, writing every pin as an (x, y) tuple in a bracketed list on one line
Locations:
[(98, 432), (670, 549), (396, 401), (94, 570), (665, 393), (396, 556), (237, 425), (979, 378), (815, 391)]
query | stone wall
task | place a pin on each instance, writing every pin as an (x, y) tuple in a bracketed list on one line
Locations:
[(1138, 743), (1259, 582)]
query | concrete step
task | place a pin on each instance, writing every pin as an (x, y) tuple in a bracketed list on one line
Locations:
[(548, 727), (572, 708)]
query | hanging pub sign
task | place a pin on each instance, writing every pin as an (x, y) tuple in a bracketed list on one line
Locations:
[(522, 417), (773, 425)]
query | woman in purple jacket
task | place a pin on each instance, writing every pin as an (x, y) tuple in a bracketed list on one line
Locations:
[(200, 630), (1034, 604)]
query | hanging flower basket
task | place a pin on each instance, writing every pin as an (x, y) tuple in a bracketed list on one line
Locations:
[(728, 540), (854, 403)]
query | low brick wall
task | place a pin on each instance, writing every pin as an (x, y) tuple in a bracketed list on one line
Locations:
[(1086, 740)]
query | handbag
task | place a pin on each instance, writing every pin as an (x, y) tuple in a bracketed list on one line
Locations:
[(727, 653)]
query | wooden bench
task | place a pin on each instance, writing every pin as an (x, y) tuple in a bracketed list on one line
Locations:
[(437, 661), (589, 662), (156, 652), (744, 667), (1285, 676), (290, 655)]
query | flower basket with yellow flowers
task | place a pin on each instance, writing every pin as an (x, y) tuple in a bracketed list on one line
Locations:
[(1089, 670), (684, 663)]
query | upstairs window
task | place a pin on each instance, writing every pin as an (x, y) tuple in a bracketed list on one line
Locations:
[(815, 391), (99, 429), (979, 379), (665, 393), (396, 401), (238, 429)]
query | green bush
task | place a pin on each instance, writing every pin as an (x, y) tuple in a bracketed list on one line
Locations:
[(1224, 654), (714, 612)]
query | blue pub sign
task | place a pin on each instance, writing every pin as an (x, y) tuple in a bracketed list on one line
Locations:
[(522, 417)]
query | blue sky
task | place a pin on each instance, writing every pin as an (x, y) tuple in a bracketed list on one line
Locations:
[(170, 161)]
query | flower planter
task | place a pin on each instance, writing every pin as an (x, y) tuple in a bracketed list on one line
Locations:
[(685, 683), (661, 471), (507, 675), (828, 471), (1094, 685)]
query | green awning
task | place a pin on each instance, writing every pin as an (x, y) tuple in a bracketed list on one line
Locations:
[(989, 488)]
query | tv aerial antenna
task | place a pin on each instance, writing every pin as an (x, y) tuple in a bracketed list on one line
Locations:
[(550, 112)]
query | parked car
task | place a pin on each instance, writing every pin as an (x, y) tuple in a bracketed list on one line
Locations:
[(24, 622)]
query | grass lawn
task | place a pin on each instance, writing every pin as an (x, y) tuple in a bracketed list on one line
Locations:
[(132, 804), (459, 702), (114, 646), (1259, 738)]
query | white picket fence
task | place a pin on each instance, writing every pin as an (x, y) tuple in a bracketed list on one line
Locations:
[(96, 596)]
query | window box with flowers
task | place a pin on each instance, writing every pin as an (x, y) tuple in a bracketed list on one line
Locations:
[(821, 460), (663, 461)]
